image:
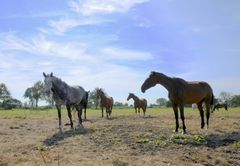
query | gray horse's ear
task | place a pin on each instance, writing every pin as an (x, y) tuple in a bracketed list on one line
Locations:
[(51, 74), (44, 74)]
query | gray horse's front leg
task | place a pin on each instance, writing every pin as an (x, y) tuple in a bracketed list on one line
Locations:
[(59, 117)]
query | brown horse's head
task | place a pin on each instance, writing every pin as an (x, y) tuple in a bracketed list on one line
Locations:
[(130, 96), (149, 82)]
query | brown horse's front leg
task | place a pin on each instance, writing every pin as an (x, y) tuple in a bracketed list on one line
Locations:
[(201, 114), (175, 109), (107, 112), (183, 118)]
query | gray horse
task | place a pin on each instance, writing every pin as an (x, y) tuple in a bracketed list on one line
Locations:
[(63, 94)]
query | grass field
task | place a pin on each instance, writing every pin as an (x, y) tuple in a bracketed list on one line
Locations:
[(30, 137)]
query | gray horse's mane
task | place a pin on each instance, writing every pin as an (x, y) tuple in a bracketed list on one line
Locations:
[(59, 81), (59, 87)]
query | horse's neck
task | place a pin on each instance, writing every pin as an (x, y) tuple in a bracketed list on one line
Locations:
[(103, 98), (135, 98), (60, 89), (165, 81)]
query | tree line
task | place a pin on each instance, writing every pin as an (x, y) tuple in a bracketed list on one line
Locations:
[(36, 93)]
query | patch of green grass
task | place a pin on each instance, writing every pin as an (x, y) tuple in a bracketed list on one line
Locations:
[(143, 140), (162, 137), (198, 138), (178, 136), (237, 144), (41, 148), (160, 142)]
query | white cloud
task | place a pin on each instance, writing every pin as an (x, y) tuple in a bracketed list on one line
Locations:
[(91, 7), (123, 54)]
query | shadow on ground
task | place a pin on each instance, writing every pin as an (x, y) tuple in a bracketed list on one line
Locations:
[(218, 140), (54, 139)]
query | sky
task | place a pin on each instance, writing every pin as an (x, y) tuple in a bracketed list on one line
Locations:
[(115, 44)]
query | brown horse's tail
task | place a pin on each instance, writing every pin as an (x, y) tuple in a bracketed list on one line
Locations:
[(212, 102)]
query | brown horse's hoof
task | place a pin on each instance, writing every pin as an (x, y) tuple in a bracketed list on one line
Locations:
[(184, 132), (174, 131)]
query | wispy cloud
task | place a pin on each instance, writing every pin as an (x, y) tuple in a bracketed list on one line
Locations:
[(91, 7), (59, 27)]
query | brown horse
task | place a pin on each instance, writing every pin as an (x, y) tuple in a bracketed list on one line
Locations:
[(138, 103), (182, 92), (220, 105), (106, 102)]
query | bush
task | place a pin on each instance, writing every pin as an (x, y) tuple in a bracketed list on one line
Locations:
[(11, 103)]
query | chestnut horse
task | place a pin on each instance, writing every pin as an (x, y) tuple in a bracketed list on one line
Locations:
[(138, 103), (106, 102), (182, 92)]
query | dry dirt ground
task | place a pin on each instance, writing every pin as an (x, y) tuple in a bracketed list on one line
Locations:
[(122, 140)]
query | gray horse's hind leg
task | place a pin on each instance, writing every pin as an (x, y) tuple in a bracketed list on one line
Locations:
[(79, 110), (70, 115), (102, 112), (59, 117), (85, 117)]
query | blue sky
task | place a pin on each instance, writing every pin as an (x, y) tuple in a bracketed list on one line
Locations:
[(115, 44)]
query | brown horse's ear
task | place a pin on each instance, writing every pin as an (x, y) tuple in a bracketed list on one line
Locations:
[(51, 74), (153, 73), (44, 74)]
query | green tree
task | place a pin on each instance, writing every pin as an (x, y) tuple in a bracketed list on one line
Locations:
[(225, 96), (93, 98), (161, 101), (48, 97), (235, 101), (38, 92), (29, 94), (4, 92), (35, 93)]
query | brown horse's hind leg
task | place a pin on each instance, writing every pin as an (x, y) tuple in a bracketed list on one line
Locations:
[(175, 109), (183, 118), (207, 113), (201, 114)]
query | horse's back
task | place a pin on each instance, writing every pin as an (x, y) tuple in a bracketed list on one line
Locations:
[(77, 93)]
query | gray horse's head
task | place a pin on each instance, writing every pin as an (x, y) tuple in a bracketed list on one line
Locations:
[(48, 82)]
